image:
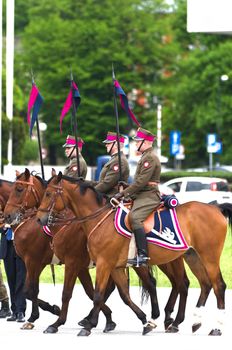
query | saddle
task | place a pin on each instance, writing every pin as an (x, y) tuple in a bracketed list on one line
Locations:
[(167, 202)]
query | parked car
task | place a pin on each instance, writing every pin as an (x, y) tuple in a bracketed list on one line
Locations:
[(202, 189)]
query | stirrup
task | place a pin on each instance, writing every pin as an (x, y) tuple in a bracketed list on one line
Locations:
[(139, 260)]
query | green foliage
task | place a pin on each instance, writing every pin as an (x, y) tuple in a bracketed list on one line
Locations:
[(151, 51), (19, 135), (88, 36), (31, 150)]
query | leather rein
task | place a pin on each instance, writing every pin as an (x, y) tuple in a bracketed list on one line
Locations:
[(52, 214)]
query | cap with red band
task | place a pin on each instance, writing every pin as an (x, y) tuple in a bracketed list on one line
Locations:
[(143, 134), (112, 137), (71, 142)]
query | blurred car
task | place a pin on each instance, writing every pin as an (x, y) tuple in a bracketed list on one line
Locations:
[(202, 189)]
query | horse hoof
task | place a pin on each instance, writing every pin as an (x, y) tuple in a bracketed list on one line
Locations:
[(109, 327), (50, 330), (172, 329), (196, 326), (148, 328), (56, 310), (168, 322), (84, 322), (84, 333), (215, 332), (28, 325)]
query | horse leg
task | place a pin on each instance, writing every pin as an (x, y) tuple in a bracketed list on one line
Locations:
[(219, 287), (149, 286), (180, 282), (70, 276), (86, 281), (102, 277), (195, 264), (32, 291), (120, 278)]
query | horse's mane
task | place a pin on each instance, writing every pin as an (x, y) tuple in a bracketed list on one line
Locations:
[(84, 185)]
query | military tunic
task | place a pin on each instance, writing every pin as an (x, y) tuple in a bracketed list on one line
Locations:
[(71, 169), (146, 195), (109, 176)]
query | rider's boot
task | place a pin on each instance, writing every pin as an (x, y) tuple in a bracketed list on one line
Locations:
[(141, 243)]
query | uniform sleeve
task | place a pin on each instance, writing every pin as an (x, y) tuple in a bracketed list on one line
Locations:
[(146, 170), (110, 180)]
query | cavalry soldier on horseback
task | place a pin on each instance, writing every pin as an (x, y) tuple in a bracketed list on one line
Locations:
[(70, 152), (144, 191), (110, 174)]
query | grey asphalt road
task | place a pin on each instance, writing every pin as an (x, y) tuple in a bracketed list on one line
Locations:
[(128, 330)]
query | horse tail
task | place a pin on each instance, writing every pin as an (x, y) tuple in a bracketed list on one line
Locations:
[(146, 286), (53, 273), (226, 210)]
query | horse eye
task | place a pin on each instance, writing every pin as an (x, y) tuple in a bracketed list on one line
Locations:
[(19, 189), (48, 194)]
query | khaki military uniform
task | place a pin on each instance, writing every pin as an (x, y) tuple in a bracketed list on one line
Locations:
[(109, 176), (144, 191), (71, 169)]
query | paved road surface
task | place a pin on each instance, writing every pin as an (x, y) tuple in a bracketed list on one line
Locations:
[(128, 331)]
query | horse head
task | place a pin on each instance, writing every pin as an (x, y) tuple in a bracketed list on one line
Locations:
[(26, 193), (54, 200)]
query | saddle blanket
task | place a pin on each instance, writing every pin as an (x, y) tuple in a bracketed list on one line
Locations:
[(166, 232)]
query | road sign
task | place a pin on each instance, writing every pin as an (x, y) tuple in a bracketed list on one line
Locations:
[(174, 142), (212, 145)]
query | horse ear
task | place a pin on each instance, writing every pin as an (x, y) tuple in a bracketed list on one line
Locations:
[(17, 173), (27, 173), (53, 172), (59, 177)]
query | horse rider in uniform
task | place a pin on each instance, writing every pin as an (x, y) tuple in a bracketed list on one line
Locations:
[(144, 191), (70, 152), (109, 177)]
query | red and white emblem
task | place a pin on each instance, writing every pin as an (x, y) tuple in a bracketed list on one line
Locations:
[(74, 168), (115, 167), (146, 164)]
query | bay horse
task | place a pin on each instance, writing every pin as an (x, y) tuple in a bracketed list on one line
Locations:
[(109, 250), (34, 247), (27, 193)]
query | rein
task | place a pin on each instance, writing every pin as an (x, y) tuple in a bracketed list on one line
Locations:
[(50, 209)]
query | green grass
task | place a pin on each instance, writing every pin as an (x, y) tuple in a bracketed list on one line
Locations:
[(162, 280)]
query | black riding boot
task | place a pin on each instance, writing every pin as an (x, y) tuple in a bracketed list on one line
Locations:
[(5, 310), (141, 243)]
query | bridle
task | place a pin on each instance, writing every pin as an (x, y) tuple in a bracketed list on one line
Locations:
[(52, 214), (23, 207)]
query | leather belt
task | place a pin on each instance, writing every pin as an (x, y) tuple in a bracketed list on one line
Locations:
[(152, 183)]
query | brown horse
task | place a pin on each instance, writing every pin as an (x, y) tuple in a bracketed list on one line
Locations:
[(34, 247), (26, 193), (109, 250)]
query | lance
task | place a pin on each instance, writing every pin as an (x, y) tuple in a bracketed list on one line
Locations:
[(38, 135), (117, 126), (74, 110)]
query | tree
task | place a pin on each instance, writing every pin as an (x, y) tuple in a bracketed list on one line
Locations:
[(88, 36)]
